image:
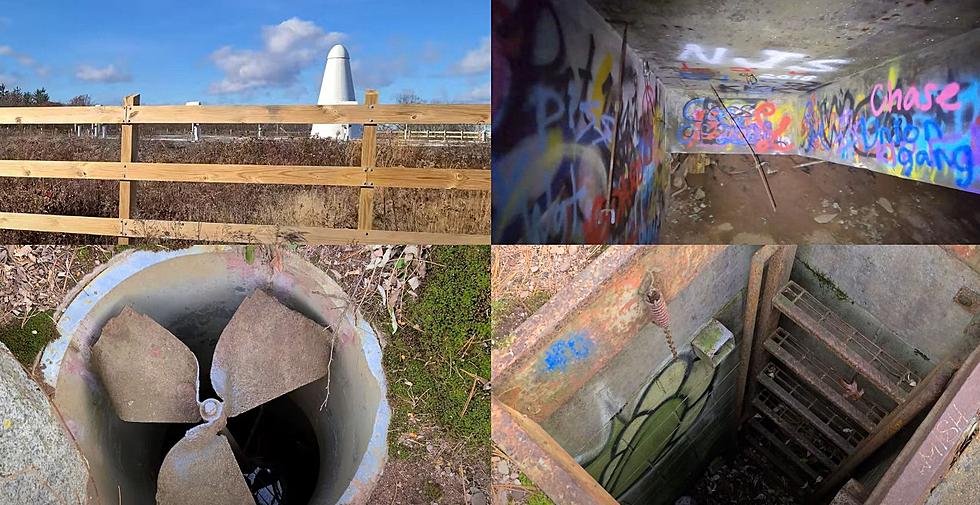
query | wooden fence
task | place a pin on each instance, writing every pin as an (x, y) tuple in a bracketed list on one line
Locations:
[(444, 136), (367, 177)]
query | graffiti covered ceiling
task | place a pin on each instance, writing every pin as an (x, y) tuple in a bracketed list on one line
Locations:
[(780, 46)]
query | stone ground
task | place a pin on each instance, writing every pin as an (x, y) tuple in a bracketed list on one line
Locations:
[(824, 203), (441, 470)]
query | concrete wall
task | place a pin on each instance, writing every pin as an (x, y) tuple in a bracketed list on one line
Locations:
[(916, 117), (697, 122), (556, 73), (646, 421), (900, 295)]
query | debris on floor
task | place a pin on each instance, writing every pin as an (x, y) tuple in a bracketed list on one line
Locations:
[(736, 479)]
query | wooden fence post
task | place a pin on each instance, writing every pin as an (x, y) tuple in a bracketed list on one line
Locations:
[(369, 156), (129, 153)]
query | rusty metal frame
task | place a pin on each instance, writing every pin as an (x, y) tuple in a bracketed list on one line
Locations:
[(552, 469), (931, 450)]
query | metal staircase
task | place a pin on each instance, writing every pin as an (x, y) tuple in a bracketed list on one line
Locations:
[(812, 419)]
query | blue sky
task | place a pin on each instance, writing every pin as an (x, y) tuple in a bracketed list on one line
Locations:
[(247, 51)]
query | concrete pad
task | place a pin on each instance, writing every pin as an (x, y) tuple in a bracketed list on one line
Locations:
[(39, 463)]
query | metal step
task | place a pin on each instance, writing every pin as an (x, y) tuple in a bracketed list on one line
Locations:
[(795, 356), (857, 350), (767, 457), (790, 394), (795, 450), (773, 443)]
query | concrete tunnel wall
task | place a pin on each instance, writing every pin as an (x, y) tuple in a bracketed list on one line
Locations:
[(916, 116), (556, 72), (901, 296), (698, 123), (605, 385)]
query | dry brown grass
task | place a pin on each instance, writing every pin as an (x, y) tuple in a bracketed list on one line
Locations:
[(446, 211)]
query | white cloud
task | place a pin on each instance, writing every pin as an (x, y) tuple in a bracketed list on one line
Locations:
[(476, 61), (24, 60), (105, 74), (288, 49), (479, 94)]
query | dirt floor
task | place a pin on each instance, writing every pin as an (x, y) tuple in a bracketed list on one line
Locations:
[(436, 468), (824, 203)]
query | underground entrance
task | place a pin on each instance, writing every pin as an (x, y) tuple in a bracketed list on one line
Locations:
[(740, 374), (319, 442), (598, 102)]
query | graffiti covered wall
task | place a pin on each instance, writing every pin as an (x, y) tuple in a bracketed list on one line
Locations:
[(916, 117), (556, 89), (700, 123), (650, 451)]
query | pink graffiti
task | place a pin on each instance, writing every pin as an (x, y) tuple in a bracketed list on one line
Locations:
[(893, 98)]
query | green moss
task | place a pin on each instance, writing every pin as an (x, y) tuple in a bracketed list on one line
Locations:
[(825, 281), (429, 368), (26, 342), (536, 498), (432, 491), (508, 312)]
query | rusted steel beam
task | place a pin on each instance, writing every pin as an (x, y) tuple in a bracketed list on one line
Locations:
[(809, 375), (752, 293), (777, 275), (930, 451), (923, 395), (540, 457), (816, 326), (586, 325)]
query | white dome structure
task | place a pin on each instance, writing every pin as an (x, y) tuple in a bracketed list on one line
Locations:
[(337, 88)]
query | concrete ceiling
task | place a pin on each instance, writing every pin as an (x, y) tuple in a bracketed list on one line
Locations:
[(780, 46)]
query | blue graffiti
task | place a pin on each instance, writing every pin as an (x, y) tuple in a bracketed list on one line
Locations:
[(565, 352)]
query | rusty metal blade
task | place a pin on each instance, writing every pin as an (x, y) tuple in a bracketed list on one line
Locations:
[(201, 468), (266, 351), (150, 375)]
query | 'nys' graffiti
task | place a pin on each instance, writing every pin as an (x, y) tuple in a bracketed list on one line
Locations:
[(644, 432), (705, 124), (773, 71), (556, 86), (925, 131)]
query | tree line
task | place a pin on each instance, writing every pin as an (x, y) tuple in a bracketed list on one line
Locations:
[(17, 97)]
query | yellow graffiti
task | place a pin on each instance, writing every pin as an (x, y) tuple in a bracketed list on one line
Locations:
[(598, 97)]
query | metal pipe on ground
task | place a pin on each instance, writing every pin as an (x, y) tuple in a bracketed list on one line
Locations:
[(193, 293)]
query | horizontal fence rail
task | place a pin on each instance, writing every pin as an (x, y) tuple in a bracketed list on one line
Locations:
[(367, 177), (227, 114)]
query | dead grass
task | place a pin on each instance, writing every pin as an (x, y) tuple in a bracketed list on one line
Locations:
[(447, 211)]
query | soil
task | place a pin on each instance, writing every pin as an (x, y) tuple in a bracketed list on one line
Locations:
[(525, 277), (728, 204), (443, 471)]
